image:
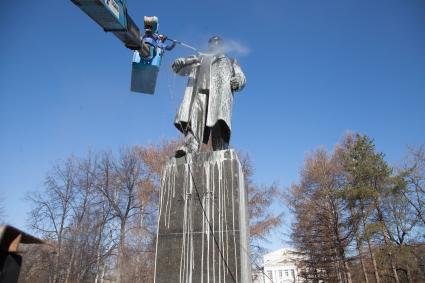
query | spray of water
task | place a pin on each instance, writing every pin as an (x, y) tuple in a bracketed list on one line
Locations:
[(231, 46), (235, 47)]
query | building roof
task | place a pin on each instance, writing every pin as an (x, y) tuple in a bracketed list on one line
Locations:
[(284, 256)]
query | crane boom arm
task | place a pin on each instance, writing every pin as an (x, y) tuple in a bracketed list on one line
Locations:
[(112, 16)]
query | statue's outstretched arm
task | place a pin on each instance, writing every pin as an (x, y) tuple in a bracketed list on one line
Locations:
[(238, 81), (183, 66)]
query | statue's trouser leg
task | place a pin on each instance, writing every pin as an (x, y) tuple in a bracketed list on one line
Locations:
[(217, 137), (195, 134)]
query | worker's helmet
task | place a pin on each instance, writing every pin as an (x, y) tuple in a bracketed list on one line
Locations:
[(151, 24), (215, 44)]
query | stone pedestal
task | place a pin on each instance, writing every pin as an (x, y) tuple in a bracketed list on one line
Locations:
[(203, 195)]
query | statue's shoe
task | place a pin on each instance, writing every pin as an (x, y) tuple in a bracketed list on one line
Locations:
[(181, 151)]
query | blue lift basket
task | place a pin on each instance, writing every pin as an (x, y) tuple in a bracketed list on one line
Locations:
[(144, 71)]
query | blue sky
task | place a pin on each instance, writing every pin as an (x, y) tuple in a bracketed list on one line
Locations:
[(315, 70)]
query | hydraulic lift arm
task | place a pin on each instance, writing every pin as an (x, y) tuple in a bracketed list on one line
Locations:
[(112, 16)]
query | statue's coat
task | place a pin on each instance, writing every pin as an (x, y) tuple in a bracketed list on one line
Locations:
[(216, 79)]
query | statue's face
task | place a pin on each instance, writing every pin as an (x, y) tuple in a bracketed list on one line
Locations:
[(215, 45)]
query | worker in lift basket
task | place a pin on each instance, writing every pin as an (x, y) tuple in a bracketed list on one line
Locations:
[(151, 39)]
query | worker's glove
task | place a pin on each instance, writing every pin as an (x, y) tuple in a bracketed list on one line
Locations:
[(178, 64), (163, 37), (234, 83)]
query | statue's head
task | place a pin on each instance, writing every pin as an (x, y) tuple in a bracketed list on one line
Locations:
[(216, 44), (151, 24)]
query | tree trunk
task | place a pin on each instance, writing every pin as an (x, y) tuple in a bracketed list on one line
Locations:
[(338, 272), (375, 266), (366, 280), (69, 269), (56, 265), (409, 275), (347, 272), (58, 255), (102, 278), (359, 251), (359, 241), (393, 268), (121, 255), (386, 239), (98, 266)]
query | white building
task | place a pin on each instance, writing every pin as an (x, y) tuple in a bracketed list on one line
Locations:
[(279, 267)]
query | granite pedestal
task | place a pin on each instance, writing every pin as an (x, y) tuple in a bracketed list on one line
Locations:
[(203, 221)]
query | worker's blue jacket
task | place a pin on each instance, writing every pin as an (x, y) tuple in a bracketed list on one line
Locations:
[(155, 41)]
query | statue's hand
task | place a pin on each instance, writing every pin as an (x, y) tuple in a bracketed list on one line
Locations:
[(192, 60), (234, 83), (178, 64)]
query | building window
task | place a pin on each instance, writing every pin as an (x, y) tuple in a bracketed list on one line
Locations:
[(286, 273), (292, 273), (270, 275), (280, 274)]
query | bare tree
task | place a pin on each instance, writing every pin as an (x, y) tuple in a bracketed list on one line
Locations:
[(99, 216), (413, 172), (52, 210), (118, 183)]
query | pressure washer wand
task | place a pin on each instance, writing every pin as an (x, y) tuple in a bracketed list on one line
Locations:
[(188, 46), (185, 45)]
